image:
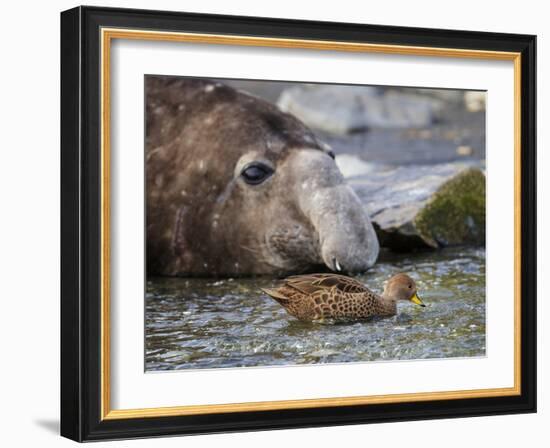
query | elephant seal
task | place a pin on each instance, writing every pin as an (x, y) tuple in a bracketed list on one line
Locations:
[(236, 187)]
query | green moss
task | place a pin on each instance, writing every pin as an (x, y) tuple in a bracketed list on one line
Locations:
[(456, 212)]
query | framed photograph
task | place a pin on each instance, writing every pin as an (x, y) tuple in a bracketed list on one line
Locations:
[(276, 224)]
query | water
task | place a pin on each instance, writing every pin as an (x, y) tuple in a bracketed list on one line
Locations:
[(208, 323)]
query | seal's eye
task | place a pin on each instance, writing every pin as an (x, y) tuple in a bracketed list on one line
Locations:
[(256, 172)]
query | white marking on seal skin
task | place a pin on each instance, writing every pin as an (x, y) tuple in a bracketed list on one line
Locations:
[(209, 88), (154, 152), (159, 180)]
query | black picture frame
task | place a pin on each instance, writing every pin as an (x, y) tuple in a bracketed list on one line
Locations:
[(81, 224)]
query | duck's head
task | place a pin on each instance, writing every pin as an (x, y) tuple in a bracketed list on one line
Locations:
[(402, 287)]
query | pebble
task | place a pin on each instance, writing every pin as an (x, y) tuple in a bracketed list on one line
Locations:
[(475, 101), (464, 150)]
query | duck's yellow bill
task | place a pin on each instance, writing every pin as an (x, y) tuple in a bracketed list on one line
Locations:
[(416, 299)]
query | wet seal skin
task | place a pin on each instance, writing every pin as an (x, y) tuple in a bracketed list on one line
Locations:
[(236, 187)]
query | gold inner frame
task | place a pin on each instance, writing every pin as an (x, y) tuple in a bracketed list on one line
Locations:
[(107, 35)]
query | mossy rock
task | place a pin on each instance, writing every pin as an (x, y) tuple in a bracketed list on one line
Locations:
[(422, 206), (456, 213)]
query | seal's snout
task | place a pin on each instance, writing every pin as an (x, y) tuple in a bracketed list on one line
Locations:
[(348, 240), (346, 255)]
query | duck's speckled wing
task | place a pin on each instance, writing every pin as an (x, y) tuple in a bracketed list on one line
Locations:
[(311, 283), (328, 296)]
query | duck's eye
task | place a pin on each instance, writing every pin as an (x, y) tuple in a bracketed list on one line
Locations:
[(256, 172)]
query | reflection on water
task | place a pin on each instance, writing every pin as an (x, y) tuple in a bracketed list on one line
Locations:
[(207, 323)]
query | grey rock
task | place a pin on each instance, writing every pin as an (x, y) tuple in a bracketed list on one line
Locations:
[(447, 95), (347, 109), (333, 109), (422, 206), (475, 101)]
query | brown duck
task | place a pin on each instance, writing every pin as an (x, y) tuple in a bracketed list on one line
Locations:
[(332, 296)]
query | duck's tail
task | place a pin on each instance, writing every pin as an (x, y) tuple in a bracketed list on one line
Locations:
[(275, 294)]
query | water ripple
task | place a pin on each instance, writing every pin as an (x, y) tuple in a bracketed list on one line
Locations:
[(205, 323)]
